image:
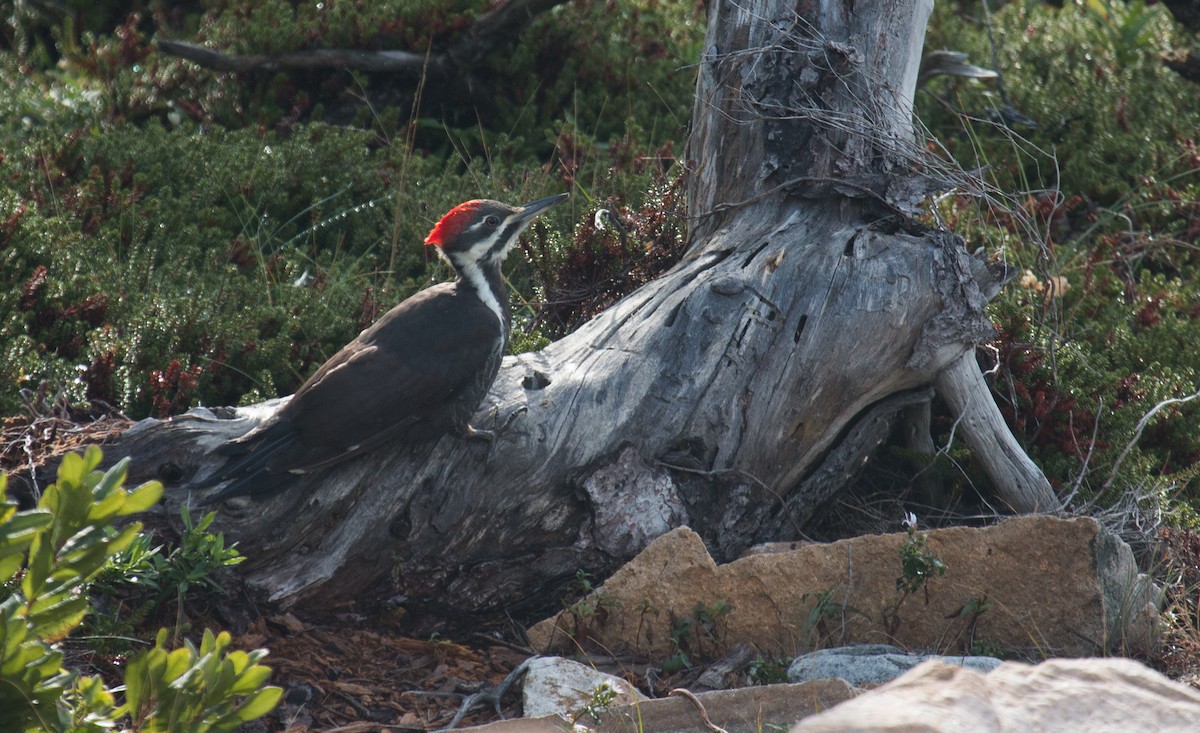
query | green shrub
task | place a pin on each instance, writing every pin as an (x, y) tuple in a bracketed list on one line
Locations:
[(141, 582), (47, 557), (1103, 221), (197, 689)]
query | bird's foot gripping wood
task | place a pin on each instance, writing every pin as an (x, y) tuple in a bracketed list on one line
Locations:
[(489, 436), (483, 436), (473, 433)]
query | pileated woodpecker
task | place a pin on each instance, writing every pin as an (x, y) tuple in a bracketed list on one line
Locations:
[(418, 373)]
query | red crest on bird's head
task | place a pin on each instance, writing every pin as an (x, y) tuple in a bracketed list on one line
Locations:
[(452, 223)]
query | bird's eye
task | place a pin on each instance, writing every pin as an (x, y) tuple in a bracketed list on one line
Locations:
[(492, 221)]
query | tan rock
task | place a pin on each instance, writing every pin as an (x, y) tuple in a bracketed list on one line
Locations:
[(1057, 696), (744, 710), (1051, 587)]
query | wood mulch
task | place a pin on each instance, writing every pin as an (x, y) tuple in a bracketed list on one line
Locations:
[(361, 680)]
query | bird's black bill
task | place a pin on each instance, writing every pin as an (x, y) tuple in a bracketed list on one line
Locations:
[(528, 211)]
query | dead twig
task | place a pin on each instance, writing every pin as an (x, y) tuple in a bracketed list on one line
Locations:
[(494, 695), (680, 692), (489, 32)]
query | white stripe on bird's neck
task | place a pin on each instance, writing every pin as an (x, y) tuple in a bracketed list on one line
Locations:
[(469, 264), (475, 276)]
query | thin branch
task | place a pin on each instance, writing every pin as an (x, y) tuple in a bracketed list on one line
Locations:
[(489, 32), (1137, 432), (680, 692), (395, 62), (493, 695)]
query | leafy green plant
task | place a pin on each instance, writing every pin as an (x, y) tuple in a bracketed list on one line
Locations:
[(677, 662), (1123, 26), (962, 633), (918, 564), (699, 633), (47, 557), (197, 689), (181, 238), (826, 615), (140, 580), (591, 608), (194, 564), (1098, 208), (768, 670), (197, 559), (599, 700), (985, 648)]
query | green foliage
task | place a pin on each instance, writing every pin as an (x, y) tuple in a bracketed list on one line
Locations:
[(74, 545), (157, 574), (1102, 124), (157, 269), (962, 636), (826, 617), (1103, 325), (194, 562), (1123, 27), (138, 584), (769, 670), (196, 690), (986, 648), (590, 610), (47, 557), (697, 635), (677, 662), (599, 701), (178, 237), (918, 564)]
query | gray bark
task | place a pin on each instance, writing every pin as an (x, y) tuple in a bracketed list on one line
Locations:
[(807, 303), (1025, 486)]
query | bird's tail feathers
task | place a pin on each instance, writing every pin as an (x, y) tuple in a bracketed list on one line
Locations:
[(248, 468)]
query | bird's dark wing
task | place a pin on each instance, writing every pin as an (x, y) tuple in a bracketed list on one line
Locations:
[(397, 378)]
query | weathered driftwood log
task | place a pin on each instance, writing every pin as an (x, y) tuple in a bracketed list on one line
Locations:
[(728, 395)]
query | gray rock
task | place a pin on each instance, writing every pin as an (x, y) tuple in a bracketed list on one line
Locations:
[(865, 665), (554, 685)]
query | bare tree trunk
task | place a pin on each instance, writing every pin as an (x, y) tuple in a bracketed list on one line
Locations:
[(718, 396)]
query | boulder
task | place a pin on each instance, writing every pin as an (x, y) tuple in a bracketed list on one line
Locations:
[(871, 665), (1056, 696), (1031, 585)]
